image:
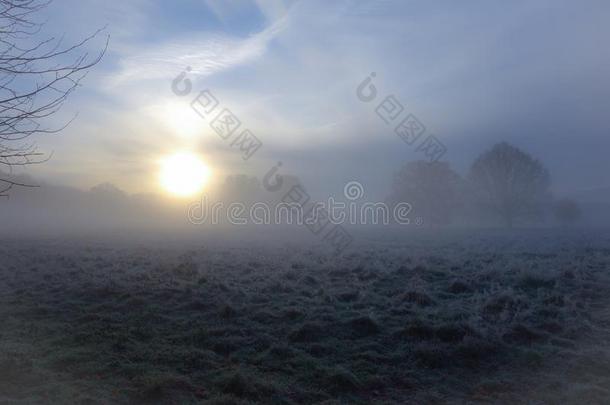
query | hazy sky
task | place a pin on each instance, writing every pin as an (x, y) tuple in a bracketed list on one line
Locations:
[(534, 73)]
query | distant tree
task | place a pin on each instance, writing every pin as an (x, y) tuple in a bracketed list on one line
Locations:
[(241, 188), (511, 182), (567, 211), (107, 192), (36, 77), (430, 187)]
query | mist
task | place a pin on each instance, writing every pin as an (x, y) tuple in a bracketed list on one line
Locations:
[(304, 202)]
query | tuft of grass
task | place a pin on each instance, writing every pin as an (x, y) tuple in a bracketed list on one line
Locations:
[(228, 311), (453, 333), (522, 335), (245, 386), (503, 303), (340, 380), (417, 331), (163, 387), (348, 296), (532, 282), (419, 298), (186, 270), (459, 287), (308, 332), (363, 326)]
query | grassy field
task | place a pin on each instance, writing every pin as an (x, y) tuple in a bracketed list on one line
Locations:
[(470, 317)]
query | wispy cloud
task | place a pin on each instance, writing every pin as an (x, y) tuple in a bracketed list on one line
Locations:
[(206, 55)]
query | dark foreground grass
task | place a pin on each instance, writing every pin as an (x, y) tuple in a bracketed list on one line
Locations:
[(468, 319)]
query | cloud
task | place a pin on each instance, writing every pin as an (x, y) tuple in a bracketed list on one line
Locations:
[(210, 53)]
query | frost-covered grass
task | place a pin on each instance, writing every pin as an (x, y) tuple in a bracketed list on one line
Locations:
[(466, 317)]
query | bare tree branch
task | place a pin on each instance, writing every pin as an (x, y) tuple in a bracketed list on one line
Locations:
[(36, 78)]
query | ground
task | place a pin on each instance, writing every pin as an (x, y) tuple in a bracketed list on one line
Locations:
[(469, 316)]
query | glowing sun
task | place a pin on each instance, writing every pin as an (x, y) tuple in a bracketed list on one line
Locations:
[(183, 174)]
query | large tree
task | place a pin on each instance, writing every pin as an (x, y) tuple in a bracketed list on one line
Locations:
[(567, 211), (36, 77), (511, 182), (430, 187)]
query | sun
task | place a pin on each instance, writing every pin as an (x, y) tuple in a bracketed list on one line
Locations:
[(183, 174)]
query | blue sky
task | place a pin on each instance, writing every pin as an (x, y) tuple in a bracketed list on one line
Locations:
[(533, 73)]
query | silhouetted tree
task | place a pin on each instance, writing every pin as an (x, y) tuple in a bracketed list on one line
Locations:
[(36, 77), (511, 182), (241, 188), (430, 187), (567, 211)]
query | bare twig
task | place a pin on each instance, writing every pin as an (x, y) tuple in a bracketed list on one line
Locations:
[(36, 78)]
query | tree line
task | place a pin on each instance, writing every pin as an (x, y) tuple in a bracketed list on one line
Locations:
[(504, 184)]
